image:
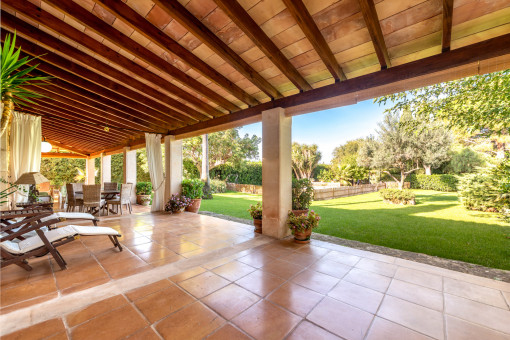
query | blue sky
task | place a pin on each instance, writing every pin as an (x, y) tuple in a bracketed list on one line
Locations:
[(331, 128)]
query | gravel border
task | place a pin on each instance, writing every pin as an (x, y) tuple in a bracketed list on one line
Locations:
[(459, 266)]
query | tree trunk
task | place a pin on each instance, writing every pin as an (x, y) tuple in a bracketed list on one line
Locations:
[(402, 179), (428, 170)]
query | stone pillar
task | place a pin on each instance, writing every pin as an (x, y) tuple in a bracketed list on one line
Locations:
[(90, 171), (106, 169), (129, 170), (276, 172), (173, 166)]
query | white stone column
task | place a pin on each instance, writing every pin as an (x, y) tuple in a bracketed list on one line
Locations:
[(276, 172), (129, 170), (90, 171), (173, 166), (106, 169)]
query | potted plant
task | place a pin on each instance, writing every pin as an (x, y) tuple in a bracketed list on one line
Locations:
[(256, 213), (193, 189), (143, 193), (301, 225), (177, 204), (302, 196)]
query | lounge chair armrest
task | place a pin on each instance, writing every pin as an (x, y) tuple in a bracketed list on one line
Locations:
[(31, 224)]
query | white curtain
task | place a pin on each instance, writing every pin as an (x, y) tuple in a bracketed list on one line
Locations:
[(155, 161), (25, 147)]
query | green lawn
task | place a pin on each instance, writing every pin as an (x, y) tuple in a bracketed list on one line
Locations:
[(438, 225)]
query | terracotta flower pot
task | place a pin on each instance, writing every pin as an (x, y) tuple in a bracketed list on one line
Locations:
[(300, 212), (303, 237), (194, 206), (143, 199), (258, 225)]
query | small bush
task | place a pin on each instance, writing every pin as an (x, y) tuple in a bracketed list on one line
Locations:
[(143, 188), (479, 192), (192, 188), (302, 194), (434, 182), (218, 186), (256, 211), (397, 196)]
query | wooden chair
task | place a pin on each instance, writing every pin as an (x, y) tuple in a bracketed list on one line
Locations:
[(111, 186), (72, 200), (124, 199), (92, 201)]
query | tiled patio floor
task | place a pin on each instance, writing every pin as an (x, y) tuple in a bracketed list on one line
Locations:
[(191, 276)]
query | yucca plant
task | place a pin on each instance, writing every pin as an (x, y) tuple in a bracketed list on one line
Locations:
[(13, 76)]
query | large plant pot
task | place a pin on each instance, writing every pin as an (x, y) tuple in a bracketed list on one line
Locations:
[(258, 225), (194, 207), (143, 199), (300, 212), (303, 237)]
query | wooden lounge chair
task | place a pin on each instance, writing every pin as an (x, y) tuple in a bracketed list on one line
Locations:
[(45, 241)]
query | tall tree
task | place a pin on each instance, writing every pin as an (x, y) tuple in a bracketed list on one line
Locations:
[(436, 143), (304, 159), (347, 153), (478, 103)]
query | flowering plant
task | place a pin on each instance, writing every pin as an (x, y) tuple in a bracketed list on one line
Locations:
[(302, 223), (256, 211), (177, 203)]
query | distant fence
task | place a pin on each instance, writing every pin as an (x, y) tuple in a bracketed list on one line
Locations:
[(326, 193)]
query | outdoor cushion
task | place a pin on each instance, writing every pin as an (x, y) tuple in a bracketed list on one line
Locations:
[(70, 215)]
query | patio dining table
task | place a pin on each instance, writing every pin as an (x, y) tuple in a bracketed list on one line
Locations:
[(105, 194)]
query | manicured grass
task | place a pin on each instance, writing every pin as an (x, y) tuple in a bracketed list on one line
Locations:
[(438, 225)]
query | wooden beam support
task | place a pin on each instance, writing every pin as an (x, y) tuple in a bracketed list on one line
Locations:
[(111, 34), (304, 19), (244, 21), (447, 25), (151, 32), (67, 147), (61, 155), (198, 29), (133, 145), (374, 28), (487, 49)]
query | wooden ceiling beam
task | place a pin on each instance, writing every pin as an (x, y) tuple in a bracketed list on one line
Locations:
[(447, 25), (61, 155), (76, 139), (470, 54), (151, 32), (66, 64), (305, 21), (116, 37), (135, 143), (374, 28), (77, 132), (67, 147), (245, 22), (198, 29)]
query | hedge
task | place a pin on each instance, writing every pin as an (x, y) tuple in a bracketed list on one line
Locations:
[(434, 182), (246, 173), (397, 196)]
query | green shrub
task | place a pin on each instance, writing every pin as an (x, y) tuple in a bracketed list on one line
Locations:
[(434, 182), (192, 188), (398, 196), (218, 186), (189, 168), (245, 173), (480, 192), (143, 188), (302, 193)]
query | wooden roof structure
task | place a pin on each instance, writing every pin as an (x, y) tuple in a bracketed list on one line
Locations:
[(186, 67)]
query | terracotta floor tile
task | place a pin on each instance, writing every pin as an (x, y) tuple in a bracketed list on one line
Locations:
[(302, 259), (368, 279), (164, 302), (187, 274), (319, 282), (138, 293), (230, 300), (86, 285), (27, 291), (192, 322), (331, 268), (343, 258), (80, 274), (233, 270), (478, 293), (418, 318), (378, 267), (38, 331), (383, 330), (313, 250), (95, 309), (260, 283), (228, 332), (167, 260), (128, 271), (308, 331), (28, 303), (203, 284), (457, 329), (110, 325), (145, 247), (277, 251), (194, 253), (266, 321), (58, 336), (419, 278), (354, 324), (145, 334), (282, 269), (183, 247), (158, 254), (257, 259), (420, 295), (357, 296), (295, 298), (479, 313)]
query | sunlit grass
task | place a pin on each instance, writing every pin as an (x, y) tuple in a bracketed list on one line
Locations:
[(438, 225)]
